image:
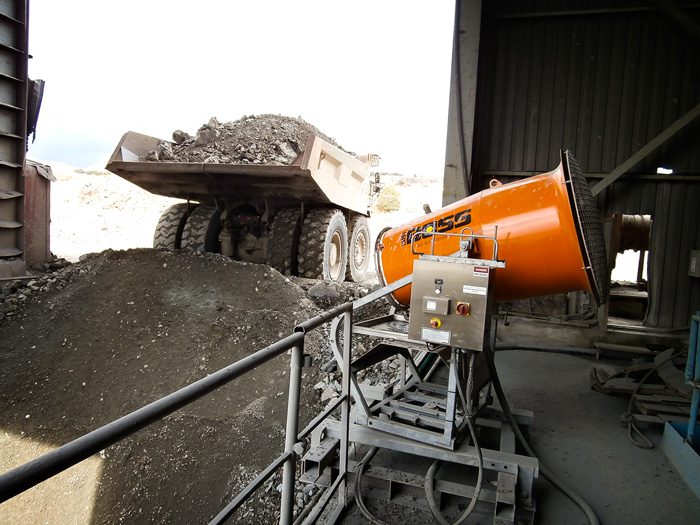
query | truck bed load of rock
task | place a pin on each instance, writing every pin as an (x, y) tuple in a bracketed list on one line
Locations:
[(254, 139)]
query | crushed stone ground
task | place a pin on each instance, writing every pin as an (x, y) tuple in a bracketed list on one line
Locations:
[(254, 139), (105, 336)]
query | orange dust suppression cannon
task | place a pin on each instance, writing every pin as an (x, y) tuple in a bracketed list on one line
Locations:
[(547, 227)]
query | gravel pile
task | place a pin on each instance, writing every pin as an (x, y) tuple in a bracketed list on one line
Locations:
[(91, 341), (255, 139), (14, 293), (100, 338)]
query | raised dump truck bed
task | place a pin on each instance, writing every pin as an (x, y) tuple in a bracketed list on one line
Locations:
[(306, 218), (322, 175)]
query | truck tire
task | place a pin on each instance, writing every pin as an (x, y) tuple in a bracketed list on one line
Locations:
[(201, 230), (359, 253), (168, 234), (323, 245), (284, 241)]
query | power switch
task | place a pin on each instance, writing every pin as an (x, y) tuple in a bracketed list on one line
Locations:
[(463, 309)]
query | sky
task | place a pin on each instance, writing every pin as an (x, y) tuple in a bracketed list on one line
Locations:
[(373, 74)]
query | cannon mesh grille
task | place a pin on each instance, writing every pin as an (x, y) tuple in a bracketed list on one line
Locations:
[(590, 229)]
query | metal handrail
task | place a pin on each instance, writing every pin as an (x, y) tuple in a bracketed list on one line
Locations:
[(42, 468), (468, 236)]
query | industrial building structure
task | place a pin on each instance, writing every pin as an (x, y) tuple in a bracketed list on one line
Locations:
[(616, 82)]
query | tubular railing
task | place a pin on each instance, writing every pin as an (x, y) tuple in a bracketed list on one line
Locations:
[(40, 469)]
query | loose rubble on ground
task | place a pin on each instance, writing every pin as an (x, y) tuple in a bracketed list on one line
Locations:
[(88, 342), (254, 139)]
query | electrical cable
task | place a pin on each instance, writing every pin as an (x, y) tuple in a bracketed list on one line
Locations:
[(549, 475), (358, 488), (430, 475), (632, 428)]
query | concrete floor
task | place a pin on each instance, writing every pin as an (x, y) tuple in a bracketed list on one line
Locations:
[(578, 435)]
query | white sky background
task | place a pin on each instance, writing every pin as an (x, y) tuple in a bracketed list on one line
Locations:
[(373, 74)]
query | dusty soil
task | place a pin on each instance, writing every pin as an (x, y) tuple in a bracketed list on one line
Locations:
[(253, 139), (118, 330)]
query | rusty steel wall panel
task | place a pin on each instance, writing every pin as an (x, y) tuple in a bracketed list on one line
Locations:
[(37, 216), (602, 78)]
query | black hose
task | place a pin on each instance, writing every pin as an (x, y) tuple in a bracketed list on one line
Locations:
[(358, 488), (549, 475), (632, 428), (430, 475)]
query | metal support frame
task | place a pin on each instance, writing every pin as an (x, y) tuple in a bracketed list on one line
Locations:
[(679, 16), (421, 418), (647, 149), (515, 473)]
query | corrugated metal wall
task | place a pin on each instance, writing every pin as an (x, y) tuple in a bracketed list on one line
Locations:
[(13, 133), (602, 79)]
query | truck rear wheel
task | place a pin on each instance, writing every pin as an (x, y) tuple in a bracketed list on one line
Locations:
[(284, 241), (168, 234), (359, 253), (323, 245), (201, 230)]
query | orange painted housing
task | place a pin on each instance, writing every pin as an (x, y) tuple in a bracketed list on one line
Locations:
[(537, 229)]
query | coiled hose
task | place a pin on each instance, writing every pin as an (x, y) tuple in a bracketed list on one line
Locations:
[(358, 488), (548, 474)]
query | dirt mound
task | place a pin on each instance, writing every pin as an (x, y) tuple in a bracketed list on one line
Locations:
[(118, 330), (261, 139)]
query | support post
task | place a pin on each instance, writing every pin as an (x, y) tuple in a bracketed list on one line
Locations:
[(289, 473), (451, 399), (457, 182), (679, 16), (648, 148), (345, 409)]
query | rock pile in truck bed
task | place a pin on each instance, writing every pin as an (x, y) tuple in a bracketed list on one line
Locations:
[(253, 139)]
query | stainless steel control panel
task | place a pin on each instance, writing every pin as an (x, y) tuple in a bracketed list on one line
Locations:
[(450, 303)]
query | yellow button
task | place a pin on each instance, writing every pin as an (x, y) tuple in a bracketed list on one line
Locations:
[(435, 323)]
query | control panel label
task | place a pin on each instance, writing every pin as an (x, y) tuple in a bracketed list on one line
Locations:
[(435, 336), (474, 290), (481, 271)]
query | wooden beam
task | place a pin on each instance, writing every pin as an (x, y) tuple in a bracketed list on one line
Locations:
[(648, 148)]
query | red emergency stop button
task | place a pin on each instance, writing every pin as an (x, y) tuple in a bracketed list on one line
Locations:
[(435, 323), (463, 309)]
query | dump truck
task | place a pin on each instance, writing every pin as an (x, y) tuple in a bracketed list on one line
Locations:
[(308, 218)]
